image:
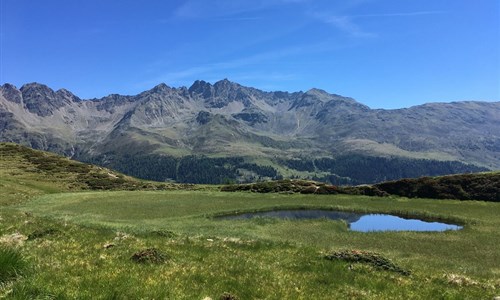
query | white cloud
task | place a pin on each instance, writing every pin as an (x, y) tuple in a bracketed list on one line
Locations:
[(215, 9), (402, 14), (224, 8), (209, 70), (345, 24)]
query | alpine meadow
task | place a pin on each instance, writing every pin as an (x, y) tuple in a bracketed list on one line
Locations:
[(233, 150)]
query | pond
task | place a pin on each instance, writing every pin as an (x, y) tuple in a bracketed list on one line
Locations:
[(356, 221)]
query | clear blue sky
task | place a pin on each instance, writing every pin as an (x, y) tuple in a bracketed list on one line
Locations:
[(383, 53)]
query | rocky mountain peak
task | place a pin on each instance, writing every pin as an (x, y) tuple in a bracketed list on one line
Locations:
[(8, 86), (161, 88), (323, 96), (202, 88), (225, 87), (311, 98), (64, 93), (40, 99), (35, 87), (220, 93), (317, 92), (224, 83), (11, 93)]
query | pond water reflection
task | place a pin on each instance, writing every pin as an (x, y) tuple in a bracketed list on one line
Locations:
[(356, 221)]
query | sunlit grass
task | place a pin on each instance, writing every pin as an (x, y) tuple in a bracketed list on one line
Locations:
[(84, 243)]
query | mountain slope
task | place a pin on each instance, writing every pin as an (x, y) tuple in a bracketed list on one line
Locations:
[(25, 172), (226, 119)]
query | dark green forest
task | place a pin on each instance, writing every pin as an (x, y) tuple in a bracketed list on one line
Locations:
[(188, 169), (343, 170), (368, 169)]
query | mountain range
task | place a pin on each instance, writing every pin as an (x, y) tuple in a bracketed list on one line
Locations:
[(226, 131)]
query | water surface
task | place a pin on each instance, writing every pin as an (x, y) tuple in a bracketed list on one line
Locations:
[(355, 221)]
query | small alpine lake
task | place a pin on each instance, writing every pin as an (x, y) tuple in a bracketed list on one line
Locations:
[(355, 221)]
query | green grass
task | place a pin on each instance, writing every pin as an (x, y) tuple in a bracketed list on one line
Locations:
[(260, 258), (11, 264)]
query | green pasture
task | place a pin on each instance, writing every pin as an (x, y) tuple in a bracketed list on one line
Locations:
[(249, 259)]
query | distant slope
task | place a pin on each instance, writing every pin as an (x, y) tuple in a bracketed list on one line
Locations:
[(25, 172), (477, 186), (228, 120)]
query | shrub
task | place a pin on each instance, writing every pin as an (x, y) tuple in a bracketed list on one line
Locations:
[(327, 189)]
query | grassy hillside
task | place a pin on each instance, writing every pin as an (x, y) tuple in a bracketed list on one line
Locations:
[(479, 186), (25, 172), (65, 241)]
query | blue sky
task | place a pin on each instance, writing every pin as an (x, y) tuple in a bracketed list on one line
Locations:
[(383, 53)]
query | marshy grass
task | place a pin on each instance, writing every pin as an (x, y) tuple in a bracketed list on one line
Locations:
[(253, 259)]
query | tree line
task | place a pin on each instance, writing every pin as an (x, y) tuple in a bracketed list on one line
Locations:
[(188, 169), (344, 170)]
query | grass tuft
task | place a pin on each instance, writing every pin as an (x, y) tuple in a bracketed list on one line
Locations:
[(40, 233), (12, 264), (371, 258), (165, 233), (150, 255), (228, 296)]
